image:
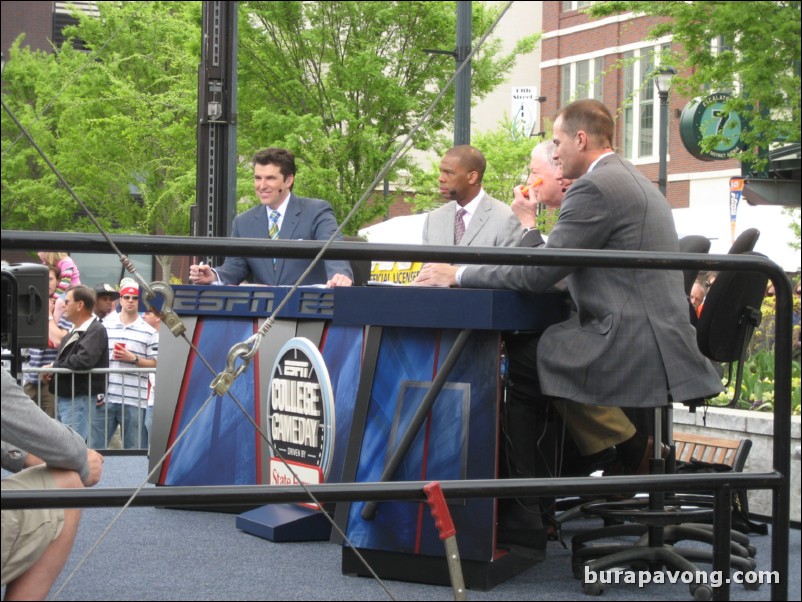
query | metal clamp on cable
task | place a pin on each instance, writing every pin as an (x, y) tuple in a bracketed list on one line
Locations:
[(223, 381), (168, 316)]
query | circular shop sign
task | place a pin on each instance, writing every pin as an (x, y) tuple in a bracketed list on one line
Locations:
[(705, 117), (300, 406)]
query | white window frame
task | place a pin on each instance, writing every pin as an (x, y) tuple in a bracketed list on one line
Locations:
[(568, 6), (635, 104), (592, 88)]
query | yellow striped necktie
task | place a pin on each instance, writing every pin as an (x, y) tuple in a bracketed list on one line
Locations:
[(273, 230)]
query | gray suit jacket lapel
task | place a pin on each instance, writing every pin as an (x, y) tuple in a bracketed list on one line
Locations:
[(480, 216)]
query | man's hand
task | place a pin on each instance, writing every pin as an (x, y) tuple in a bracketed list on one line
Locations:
[(525, 207), (95, 461), (339, 280), (201, 274), (31, 460), (437, 274)]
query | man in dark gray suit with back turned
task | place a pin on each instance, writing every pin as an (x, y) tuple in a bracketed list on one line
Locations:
[(281, 215), (630, 342)]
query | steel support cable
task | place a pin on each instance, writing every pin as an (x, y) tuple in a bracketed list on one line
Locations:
[(178, 329), (246, 350), (224, 380)]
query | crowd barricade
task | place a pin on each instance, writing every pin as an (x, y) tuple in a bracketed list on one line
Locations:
[(110, 424)]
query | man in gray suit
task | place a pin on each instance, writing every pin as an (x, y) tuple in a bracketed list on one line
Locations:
[(281, 215), (630, 342), (486, 222)]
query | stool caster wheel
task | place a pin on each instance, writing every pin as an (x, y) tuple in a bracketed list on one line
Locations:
[(702, 593), (592, 589)]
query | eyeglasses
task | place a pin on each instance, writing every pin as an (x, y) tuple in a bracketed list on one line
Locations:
[(130, 297)]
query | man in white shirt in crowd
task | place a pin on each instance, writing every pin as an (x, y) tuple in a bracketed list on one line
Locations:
[(133, 343)]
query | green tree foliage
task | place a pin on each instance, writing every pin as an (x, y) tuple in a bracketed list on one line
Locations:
[(761, 58), (342, 84), (121, 115), (339, 83)]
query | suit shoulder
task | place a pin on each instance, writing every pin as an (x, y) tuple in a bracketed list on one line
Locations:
[(443, 209), (497, 205), (250, 212), (308, 202)]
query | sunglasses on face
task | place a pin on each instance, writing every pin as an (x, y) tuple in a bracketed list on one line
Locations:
[(130, 297)]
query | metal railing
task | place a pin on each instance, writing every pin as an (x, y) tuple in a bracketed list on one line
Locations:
[(99, 408), (778, 481)]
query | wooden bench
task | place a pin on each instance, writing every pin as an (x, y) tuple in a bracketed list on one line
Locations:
[(714, 450)]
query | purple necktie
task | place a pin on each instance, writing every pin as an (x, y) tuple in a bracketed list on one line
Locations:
[(459, 225)]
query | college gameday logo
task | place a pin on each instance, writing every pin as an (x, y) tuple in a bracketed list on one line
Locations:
[(300, 414)]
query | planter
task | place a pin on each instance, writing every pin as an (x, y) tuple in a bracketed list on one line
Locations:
[(757, 426)]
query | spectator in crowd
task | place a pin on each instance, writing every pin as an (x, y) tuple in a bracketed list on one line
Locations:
[(84, 347), (69, 275), (34, 386), (44, 454), (155, 321), (105, 307), (698, 294), (282, 215), (132, 342)]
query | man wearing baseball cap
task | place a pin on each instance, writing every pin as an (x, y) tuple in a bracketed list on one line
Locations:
[(133, 343), (105, 305)]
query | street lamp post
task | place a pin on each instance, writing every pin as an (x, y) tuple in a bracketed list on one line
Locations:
[(662, 79)]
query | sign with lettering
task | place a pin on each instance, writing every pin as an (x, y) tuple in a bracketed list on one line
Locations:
[(395, 272), (252, 301), (300, 407), (707, 117), (525, 110)]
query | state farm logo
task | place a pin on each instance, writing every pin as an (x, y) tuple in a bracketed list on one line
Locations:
[(300, 407)]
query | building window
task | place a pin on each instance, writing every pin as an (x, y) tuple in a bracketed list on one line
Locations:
[(582, 79), (641, 116), (63, 17), (569, 6)]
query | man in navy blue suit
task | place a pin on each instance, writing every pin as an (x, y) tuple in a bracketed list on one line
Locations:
[(281, 215)]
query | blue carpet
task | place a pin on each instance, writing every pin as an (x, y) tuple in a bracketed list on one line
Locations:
[(162, 554)]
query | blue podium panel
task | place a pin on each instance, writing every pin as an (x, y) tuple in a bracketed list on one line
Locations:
[(222, 447), (457, 441)]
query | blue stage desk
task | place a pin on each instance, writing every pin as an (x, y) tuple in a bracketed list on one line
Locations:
[(383, 347), (409, 334)]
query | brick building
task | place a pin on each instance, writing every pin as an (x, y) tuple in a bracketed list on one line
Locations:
[(580, 58)]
